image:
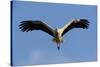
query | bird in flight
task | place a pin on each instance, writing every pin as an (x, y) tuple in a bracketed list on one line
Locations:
[(57, 34)]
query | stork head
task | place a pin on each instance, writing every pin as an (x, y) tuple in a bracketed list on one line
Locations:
[(56, 29)]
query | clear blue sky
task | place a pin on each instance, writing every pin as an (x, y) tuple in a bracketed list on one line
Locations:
[(36, 47)]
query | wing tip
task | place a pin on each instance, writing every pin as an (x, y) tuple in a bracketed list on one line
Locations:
[(85, 22), (25, 26)]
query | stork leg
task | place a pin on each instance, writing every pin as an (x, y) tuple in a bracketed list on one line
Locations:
[(58, 47)]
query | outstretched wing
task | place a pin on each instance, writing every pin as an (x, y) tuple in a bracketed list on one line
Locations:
[(30, 25), (77, 23)]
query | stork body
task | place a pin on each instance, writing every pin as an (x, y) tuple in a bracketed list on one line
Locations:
[(30, 25), (58, 39)]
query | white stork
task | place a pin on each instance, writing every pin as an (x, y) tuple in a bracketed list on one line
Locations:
[(30, 25)]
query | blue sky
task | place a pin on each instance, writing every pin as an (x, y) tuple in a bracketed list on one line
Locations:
[(36, 47)]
